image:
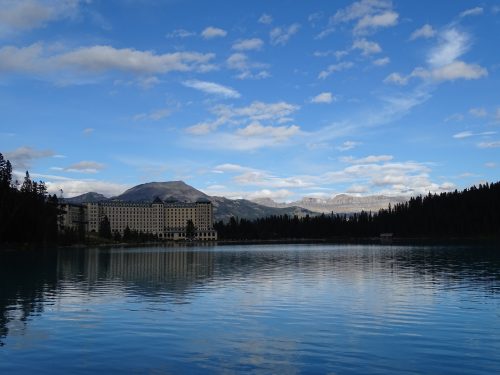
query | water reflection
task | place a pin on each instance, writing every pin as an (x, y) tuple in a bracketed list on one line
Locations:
[(277, 307)]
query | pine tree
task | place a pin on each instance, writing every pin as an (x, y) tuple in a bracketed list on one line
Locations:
[(105, 228)]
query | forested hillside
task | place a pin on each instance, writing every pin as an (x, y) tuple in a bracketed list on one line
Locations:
[(473, 212)]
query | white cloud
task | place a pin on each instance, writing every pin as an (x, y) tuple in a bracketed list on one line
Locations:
[(238, 61), (281, 35), (212, 88), (367, 47), (103, 58), (35, 59), (278, 133), (467, 134), (180, 33), (255, 112), (490, 165), (497, 114), (335, 68), (259, 111), (338, 54), (201, 128), (374, 176), (24, 60), (369, 15), (265, 179), (453, 71), (493, 144), (275, 195), (452, 45), (324, 97), (148, 82), (382, 61), (248, 128), (357, 189), (247, 74), (85, 167), (367, 159), (443, 63), (213, 32), (325, 33), (155, 115), (425, 31), (472, 12), (248, 44), (24, 15), (248, 69), (88, 131), (396, 78), (232, 168), (360, 9), (22, 158), (72, 187), (372, 22), (348, 145), (464, 134), (266, 19), (478, 112)]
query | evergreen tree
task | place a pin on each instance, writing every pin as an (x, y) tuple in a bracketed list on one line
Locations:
[(190, 230), (105, 228)]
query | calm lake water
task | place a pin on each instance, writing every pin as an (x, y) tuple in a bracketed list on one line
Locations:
[(281, 309)]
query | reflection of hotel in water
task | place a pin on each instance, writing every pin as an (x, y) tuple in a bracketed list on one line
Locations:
[(176, 270), (166, 220)]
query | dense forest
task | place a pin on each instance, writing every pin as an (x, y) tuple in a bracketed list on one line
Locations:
[(27, 213), (473, 212)]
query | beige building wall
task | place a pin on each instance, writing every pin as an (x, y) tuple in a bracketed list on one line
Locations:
[(165, 220), (73, 216)]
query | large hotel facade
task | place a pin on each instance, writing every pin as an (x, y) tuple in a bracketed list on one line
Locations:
[(167, 220)]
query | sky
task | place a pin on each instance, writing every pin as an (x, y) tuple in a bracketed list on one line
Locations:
[(252, 99)]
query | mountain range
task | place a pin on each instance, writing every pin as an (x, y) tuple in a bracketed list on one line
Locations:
[(224, 208), (341, 203)]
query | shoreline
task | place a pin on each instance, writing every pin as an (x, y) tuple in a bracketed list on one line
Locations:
[(429, 241)]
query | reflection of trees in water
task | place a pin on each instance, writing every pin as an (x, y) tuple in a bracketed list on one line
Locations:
[(25, 278), (479, 267), (29, 280)]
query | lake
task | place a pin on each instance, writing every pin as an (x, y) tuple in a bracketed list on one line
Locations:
[(283, 309)]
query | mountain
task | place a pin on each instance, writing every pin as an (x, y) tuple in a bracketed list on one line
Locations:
[(86, 198), (224, 208), (341, 203), (178, 190)]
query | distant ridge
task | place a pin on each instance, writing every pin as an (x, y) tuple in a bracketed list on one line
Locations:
[(86, 198), (342, 203), (224, 208)]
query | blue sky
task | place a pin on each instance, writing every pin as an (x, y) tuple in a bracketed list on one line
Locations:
[(279, 99)]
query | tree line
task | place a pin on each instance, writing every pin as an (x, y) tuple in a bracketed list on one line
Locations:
[(28, 214), (473, 212)]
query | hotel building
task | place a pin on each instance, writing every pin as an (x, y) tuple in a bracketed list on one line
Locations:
[(167, 220)]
